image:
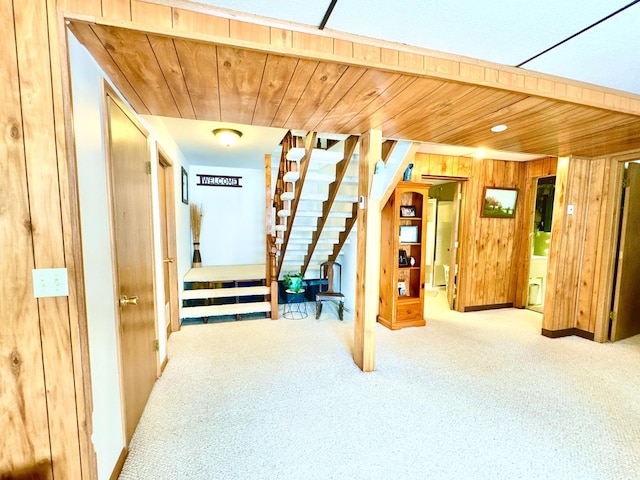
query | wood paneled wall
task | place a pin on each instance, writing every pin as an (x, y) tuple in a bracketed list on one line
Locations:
[(574, 299), (489, 255), (45, 429)]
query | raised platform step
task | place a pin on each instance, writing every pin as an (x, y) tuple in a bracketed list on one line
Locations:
[(230, 309), (203, 293), (225, 273)]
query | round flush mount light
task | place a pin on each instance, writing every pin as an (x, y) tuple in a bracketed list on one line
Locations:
[(498, 128), (227, 136)]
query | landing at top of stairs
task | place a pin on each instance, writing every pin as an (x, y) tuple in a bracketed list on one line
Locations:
[(225, 273)]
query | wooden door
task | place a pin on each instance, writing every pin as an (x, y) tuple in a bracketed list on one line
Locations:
[(167, 237), (133, 241), (626, 300)]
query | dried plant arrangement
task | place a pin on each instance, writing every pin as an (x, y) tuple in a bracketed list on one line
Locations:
[(196, 225)]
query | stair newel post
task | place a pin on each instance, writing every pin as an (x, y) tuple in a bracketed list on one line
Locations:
[(271, 270)]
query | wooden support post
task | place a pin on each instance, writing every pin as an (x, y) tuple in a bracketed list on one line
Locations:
[(271, 268), (367, 271)]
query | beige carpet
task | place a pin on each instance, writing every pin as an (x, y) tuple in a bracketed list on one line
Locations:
[(469, 396)]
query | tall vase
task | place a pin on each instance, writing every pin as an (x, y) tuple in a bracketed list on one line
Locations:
[(197, 260)]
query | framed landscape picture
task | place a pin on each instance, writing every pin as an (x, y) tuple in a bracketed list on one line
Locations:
[(499, 202)]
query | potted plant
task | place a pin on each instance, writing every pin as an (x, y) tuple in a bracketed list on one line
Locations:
[(293, 282)]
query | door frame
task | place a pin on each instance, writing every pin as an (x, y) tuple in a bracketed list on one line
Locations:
[(610, 243), (109, 93), (165, 161)]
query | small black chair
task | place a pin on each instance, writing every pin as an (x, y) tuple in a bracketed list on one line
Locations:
[(332, 272)]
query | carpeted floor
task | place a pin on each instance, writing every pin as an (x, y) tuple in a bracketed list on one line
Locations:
[(470, 396)]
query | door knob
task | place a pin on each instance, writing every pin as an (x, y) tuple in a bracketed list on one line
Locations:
[(168, 260), (124, 301)]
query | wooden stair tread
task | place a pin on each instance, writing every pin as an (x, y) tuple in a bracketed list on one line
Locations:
[(200, 293), (229, 309)]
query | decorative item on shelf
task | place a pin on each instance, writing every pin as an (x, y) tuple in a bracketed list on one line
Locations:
[(293, 282), (408, 234), (402, 288), (196, 225), (407, 173), (412, 261), (402, 258), (407, 211)]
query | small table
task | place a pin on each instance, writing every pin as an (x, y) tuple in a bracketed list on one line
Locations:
[(294, 306)]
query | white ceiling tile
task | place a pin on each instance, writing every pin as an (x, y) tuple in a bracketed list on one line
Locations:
[(502, 31), (607, 55)]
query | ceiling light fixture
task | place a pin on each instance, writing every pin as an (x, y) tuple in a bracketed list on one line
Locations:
[(499, 128), (227, 136), (479, 153)]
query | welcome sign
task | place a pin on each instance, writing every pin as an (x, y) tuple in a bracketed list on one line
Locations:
[(218, 181)]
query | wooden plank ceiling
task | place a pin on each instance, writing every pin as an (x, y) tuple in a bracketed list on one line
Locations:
[(184, 78)]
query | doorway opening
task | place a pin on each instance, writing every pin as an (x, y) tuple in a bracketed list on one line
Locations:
[(624, 320), (443, 212), (541, 238)]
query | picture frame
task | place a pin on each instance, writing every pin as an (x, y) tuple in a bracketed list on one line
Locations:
[(499, 202), (407, 211), (402, 289), (185, 187), (403, 260), (408, 234)]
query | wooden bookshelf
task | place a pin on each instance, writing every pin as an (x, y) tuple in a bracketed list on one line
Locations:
[(403, 222)]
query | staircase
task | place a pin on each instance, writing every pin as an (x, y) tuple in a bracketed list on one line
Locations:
[(315, 203), (225, 293)]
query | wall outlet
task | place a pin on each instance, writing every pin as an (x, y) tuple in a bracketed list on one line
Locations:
[(50, 282)]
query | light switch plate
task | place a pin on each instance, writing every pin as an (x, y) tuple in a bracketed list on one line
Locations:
[(570, 210), (50, 282)]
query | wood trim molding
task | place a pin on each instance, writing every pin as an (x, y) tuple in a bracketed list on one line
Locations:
[(117, 468), (480, 308), (567, 332)]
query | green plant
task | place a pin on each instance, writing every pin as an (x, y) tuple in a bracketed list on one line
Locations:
[(293, 282)]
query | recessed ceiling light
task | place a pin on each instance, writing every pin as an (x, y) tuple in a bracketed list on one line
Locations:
[(498, 128)]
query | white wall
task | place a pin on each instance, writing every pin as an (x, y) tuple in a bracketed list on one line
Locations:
[(108, 437), (349, 265), (233, 224)]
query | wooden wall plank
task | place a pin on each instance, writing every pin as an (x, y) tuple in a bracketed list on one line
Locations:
[(249, 32), (70, 209), (312, 43), (593, 202), (186, 21), (23, 422), (303, 72), (366, 90), (149, 13), (328, 102), (318, 88), (116, 9), (165, 51), (86, 35), (281, 38), (137, 60), (199, 63), (238, 87), (36, 93), (84, 7), (343, 48), (277, 75)]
